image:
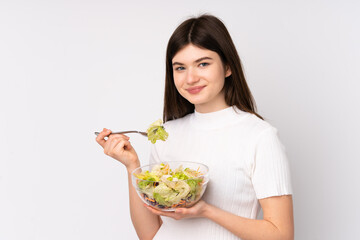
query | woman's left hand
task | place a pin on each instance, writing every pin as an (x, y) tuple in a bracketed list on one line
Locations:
[(195, 211)]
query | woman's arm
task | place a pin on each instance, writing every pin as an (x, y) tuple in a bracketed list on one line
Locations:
[(146, 223), (118, 147), (278, 223)]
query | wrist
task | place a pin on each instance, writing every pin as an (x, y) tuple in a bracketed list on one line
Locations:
[(207, 209), (132, 167)]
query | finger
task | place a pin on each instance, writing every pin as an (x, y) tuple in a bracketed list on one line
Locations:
[(123, 145), (180, 210), (116, 145), (154, 211), (110, 144), (117, 135), (163, 213), (101, 137), (184, 211), (127, 145)]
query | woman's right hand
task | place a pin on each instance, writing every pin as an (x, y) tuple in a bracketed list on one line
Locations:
[(118, 147)]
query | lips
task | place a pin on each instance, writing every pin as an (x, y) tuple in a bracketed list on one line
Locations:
[(195, 90)]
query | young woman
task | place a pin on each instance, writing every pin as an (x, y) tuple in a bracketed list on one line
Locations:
[(211, 118)]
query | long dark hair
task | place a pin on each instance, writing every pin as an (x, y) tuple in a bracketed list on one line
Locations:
[(206, 31)]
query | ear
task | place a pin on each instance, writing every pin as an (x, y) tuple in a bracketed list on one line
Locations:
[(227, 71)]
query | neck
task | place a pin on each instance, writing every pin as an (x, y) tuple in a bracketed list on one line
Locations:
[(209, 109)]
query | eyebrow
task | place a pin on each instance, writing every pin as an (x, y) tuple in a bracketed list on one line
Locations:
[(196, 61)]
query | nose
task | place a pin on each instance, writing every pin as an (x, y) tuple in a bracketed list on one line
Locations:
[(192, 77)]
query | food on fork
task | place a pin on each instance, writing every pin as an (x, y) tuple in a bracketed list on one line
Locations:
[(156, 131)]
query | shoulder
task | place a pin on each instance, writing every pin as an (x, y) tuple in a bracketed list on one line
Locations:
[(264, 136), (260, 124), (256, 126)]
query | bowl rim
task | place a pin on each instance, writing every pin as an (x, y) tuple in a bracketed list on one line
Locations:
[(164, 162)]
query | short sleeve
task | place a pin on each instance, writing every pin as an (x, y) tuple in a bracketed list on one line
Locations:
[(271, 173)]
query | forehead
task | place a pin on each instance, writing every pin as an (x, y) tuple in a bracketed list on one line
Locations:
[(191, 53)]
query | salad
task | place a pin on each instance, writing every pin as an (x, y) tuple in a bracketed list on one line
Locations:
[(165, 188), (156, 131)]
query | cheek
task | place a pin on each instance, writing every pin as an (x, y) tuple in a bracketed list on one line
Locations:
[(220, 73), (178, 82), (220, 77)]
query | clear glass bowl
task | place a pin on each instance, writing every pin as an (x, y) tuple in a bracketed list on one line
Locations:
[(169, 192)]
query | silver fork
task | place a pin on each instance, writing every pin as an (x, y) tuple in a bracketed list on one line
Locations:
[(124, 132)]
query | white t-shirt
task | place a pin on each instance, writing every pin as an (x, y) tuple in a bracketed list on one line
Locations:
[(246, 162)]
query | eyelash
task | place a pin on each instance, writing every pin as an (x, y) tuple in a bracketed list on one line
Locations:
[(201, 65), (178, 68)]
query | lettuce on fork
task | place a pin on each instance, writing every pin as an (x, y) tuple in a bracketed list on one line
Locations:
[(156, 131)]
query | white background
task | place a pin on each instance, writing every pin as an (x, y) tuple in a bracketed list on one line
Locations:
[(69, 68)]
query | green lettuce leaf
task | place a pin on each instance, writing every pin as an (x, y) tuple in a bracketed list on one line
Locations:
[(156, 131)]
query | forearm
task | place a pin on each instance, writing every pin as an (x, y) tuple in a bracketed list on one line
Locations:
[(245, 228), (146, 223)]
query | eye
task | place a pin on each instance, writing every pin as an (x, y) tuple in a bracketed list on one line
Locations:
[(204, 64), (179, 68)]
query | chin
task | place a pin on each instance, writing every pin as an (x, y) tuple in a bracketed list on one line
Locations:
[(196, 99), (196, 102)]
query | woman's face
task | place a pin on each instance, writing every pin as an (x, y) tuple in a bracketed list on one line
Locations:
[(199, 77)]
